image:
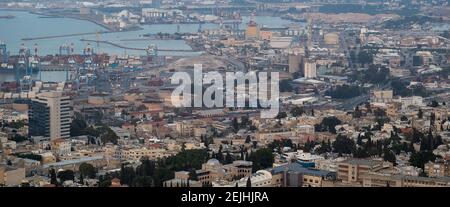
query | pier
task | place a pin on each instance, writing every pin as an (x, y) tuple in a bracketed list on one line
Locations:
[(134, 48), (65, 35)]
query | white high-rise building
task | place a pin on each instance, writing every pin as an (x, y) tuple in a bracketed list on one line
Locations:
[(310, 69), (50, 115)]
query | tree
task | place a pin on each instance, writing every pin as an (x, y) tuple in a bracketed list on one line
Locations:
[(297, 111), (343, 145), (365, 57), (249, 183), (87, 170), (248, 139), (344, 92), (357, 112), (359, 140), (77, 126), (324, 147), (147, 167), (404, 118), (193, 175), (228, 158), (379, 112), (109, 136), (279, 144), (30, 156), (418, 159), (376, 74), (219, 155), (19, 138), (16, 124), (328, 124), (127, 175), (281, 115), (262, 158), (81, 179), (66, 175), (244, 122), (420, 114), (432, 118), (434, 104), (389, 156), (25, 185), (142, 181), (309, 145), (235, 124), (52, 176)]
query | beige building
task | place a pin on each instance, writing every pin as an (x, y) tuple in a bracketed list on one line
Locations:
[(296, 175), (265, 34), (389, 180), (331, 38), (10, 176), (252, 30), (438, 169), (268, 135), (351, 170), (295, 62), (381, 96), (213, 171), (61, 147)]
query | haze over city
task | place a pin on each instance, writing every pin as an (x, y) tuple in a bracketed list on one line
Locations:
[(224, 93)]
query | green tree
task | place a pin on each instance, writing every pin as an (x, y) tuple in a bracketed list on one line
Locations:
[(281, 115), (52, 176), (418, 159), (365, 57), (142, 181), (248, 139), (81, 179), (87, 170), (249, 183), (297, 111), (328, 124), (19, 138), (228, 158), (66, 175), (77, 126), (109, 136), (343, 145), (235, 124), (389, 156), (193, 175), (262, 158)]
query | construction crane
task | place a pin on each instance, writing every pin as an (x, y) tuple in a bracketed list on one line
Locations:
[(34, 61)]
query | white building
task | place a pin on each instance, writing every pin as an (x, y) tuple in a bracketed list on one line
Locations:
[(411, 101), (310, 69)]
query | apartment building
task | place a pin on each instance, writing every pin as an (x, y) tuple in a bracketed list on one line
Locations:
[(50, 115), (352, 169)]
